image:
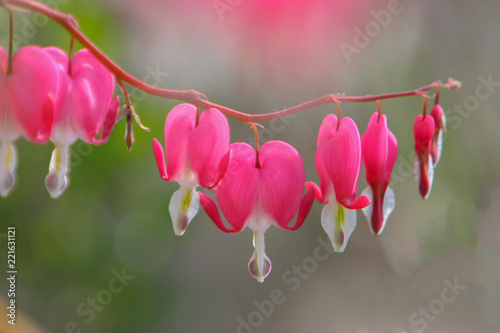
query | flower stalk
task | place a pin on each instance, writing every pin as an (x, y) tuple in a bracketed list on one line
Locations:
[(192, 96)]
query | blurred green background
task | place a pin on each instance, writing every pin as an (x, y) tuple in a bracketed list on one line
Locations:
[(114, 218)]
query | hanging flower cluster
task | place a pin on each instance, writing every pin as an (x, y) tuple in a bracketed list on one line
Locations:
[(428, 131), (261, 187), (46, 96)]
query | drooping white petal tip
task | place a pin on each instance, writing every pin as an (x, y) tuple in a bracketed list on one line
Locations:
[(57, 179), (338, 223), (259, 265), (8, 162), (183, 207), (439, 147), (56, 184), (387, 207)]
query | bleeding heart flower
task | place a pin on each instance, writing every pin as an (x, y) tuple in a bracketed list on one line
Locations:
[(26, 105), (260, 190), (85, 109), (197, 155), (379, 149), (438, 114), (423, 130), (338, 162)]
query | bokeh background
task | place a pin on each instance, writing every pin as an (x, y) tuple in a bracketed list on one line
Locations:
[(259, 56)]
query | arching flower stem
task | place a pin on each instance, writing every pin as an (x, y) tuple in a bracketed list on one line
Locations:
[(192, 96)]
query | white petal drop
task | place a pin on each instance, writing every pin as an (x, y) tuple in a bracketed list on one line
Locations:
[(8, 163), (389, 204), (439, 147), (183, 207), (259, 265), (367, 211), (430, 174), (338, 223), (387, 207), (57, 179), (416, 171)]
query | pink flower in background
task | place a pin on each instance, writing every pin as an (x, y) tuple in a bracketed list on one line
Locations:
[(338, 162), (260, 190), (379, 149), (196, 151), (85, 109), (423, 130), (438, 114), (26, 105)]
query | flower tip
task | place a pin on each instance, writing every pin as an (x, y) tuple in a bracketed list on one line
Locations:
[(8, 162), (129, 140), (183, 207), (377, 213), (259, 265), (377, 225), (181, 225), (424, 176), (338, 223), (57, 179), (424, 191), (7, 183), (339, 240), (259, 273), (56, 185)]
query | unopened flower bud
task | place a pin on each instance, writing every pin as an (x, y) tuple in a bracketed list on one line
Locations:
[(129, 133)]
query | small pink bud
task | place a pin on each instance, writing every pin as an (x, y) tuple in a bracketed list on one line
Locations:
[(437, 140), (423, 130), (379, 150)]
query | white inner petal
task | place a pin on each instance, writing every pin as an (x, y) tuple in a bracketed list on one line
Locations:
[(430, 174), (387, 206), (259, 221), (416, 171), (57, 179), (368, 210), (8, 163), (259, 265), (439, 147), (63, 133), (9, 131), (183, 207), (338, 223)]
